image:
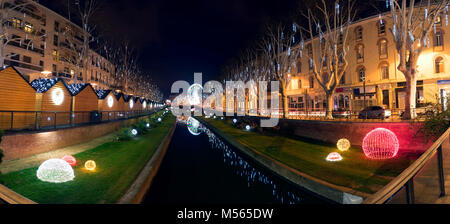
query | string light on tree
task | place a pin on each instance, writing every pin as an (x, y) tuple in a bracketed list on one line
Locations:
[(380, 143), (55, 171)]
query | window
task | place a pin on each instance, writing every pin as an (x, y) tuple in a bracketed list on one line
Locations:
[(382, 48), (438, 39), (56, 26), (309, 49), (360, 52), (41, 63), (311, 82), (341, 39), (342, 81), (28, 27), (384, 71), (381, 28), (359, 33), (311, 64), (55, 40), (438, 21), (54, 68), (17, 23), (299, 67), (439, 65), (55, 55), (26, 59), (299, 84), (15, 56), (362, 74)]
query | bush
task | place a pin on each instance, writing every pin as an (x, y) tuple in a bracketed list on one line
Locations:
[(124, 134), (436, 122)]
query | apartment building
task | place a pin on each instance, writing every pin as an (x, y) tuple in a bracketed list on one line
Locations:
[(44, 44), (373, 62)]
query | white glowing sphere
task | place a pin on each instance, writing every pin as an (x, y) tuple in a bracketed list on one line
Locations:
[(195, 94), (147, 125), (159, 119), (247, 127), (55, 171), (234, 120), (334, 157), (57, 96), (110, 101), (134, 132), (215, 117), (131, 104), (144, 105)]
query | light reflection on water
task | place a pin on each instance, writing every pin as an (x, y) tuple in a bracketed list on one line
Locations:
[(246, 170)]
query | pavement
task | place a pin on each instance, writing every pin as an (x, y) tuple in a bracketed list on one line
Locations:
[(36, 160)]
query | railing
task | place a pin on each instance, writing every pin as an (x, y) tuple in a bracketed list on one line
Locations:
[(422, 182), (37, 120)]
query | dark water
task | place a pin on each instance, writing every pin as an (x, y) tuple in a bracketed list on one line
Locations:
[(204, 169)]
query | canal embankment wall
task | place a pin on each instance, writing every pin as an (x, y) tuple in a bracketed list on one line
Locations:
[(332, 131), (24, 144), (332, 192)]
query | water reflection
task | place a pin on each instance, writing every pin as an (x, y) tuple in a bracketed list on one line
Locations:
[(242, 168)]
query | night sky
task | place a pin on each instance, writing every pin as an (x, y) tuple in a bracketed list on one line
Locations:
[(176, 38)]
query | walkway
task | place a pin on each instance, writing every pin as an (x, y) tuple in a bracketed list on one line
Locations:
[(36, 160)]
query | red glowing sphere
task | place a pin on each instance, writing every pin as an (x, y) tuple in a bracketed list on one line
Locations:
[(380, 143), (70, 160)]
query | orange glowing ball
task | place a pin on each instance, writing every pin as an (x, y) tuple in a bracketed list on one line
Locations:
[(90, 165), (70, 160), (343, 144)]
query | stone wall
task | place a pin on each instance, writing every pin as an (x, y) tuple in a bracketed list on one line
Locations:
[(26, 144)]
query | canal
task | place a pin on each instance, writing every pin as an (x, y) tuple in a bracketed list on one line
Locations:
[(199, 167)]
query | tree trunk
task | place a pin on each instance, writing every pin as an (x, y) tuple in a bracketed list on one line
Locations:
[(410, 97), (329, 109), (285, 104)]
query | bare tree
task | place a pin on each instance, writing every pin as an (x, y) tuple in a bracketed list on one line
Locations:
[(327, 49), (127, 65), (281, 55), (12, 17), (412, 26)]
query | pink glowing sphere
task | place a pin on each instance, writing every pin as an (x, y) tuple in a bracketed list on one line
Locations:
[(70, 160), (380, 143)]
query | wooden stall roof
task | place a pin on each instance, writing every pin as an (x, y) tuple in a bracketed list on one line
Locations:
[(102, 93)]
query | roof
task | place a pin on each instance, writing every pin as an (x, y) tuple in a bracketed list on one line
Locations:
[(102, 93), (75, 89), (20, 74), (43, 85)]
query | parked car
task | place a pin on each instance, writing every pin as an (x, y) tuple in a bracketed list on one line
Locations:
[(374, 112), (423, 109), (341, 113)]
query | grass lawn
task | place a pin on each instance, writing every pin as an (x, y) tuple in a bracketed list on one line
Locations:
[(118, 164), (353, 171)]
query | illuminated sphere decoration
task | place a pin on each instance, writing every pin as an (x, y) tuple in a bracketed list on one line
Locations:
[(343, 144), (110, 101), (70, 160), (57, 96), (55, 171), (195, 94), (380, 143), (159, 119), (334, 157), (134, 132), (247, 127), (131, 104), (147, 125), (234, 120), (144, 105), (90, 165)]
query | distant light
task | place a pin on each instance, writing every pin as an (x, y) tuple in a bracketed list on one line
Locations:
[(215, 117), (90, 165), (46, 72), (333, 157), (131, 104), (159, 119), (147, 125), (144, 105), (247, 127), (221, 118), (234, 120), (134, 132)]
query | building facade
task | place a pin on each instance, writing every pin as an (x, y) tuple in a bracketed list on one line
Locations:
[(373, 62), (44, 44)]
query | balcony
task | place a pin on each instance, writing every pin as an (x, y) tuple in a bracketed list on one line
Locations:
[(26, 47), (23, 65)]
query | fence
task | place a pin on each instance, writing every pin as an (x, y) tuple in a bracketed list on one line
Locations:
[(37, 120), (422, 182)]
